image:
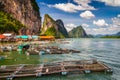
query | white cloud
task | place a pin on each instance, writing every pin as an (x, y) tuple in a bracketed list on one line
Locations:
[(70, 7), (116, 20), (87, 15), (113, 28), (96, 30), (85, 25), (118, 15), (111, 2), (82, 1), (100, 22), (67, 7), (70, 26)]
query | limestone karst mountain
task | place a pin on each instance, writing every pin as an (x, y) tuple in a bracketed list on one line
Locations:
[(62, 28), (53, 28), (24, 12), (78, 32)]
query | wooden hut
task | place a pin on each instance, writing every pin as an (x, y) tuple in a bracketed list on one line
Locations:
[(9, 37)]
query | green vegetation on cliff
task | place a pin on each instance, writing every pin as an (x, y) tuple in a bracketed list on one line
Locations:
[(8, 23), (52, 32), (35, 6)]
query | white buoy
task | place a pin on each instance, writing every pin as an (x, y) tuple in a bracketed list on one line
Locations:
[(64, 73)]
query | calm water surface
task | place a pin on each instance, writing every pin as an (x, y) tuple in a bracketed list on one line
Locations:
[(105, 50)]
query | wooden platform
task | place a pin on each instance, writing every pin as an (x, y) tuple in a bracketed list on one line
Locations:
[(63, 68)]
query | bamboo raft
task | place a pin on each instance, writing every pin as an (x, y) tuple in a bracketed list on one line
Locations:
[(50, 50), (8, 48), (63, 68)]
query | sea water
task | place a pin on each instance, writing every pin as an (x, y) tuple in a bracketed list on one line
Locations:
[(105, 50)]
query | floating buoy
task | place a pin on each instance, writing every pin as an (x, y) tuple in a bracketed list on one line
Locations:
[(10, 78), (87, 71), (48, 50), (38, 74), (64, 73), (109, 70)]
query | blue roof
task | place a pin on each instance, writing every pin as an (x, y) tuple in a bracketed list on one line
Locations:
[(24, 37), (34, 36)]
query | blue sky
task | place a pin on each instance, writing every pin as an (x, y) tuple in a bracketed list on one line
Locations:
[(96, 16)]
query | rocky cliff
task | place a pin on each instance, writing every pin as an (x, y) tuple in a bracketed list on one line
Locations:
[(25, 11), (78, 32), (62, 28), (54, 28)]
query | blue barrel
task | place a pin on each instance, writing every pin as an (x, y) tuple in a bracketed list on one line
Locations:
[(2, 58), (41, 52)]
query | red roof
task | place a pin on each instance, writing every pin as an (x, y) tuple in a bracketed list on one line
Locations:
[(2, 36)]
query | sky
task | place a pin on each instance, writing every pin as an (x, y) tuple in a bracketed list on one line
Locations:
[(95, 16)]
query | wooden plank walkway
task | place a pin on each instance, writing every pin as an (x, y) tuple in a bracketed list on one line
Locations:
[(64, 68)]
